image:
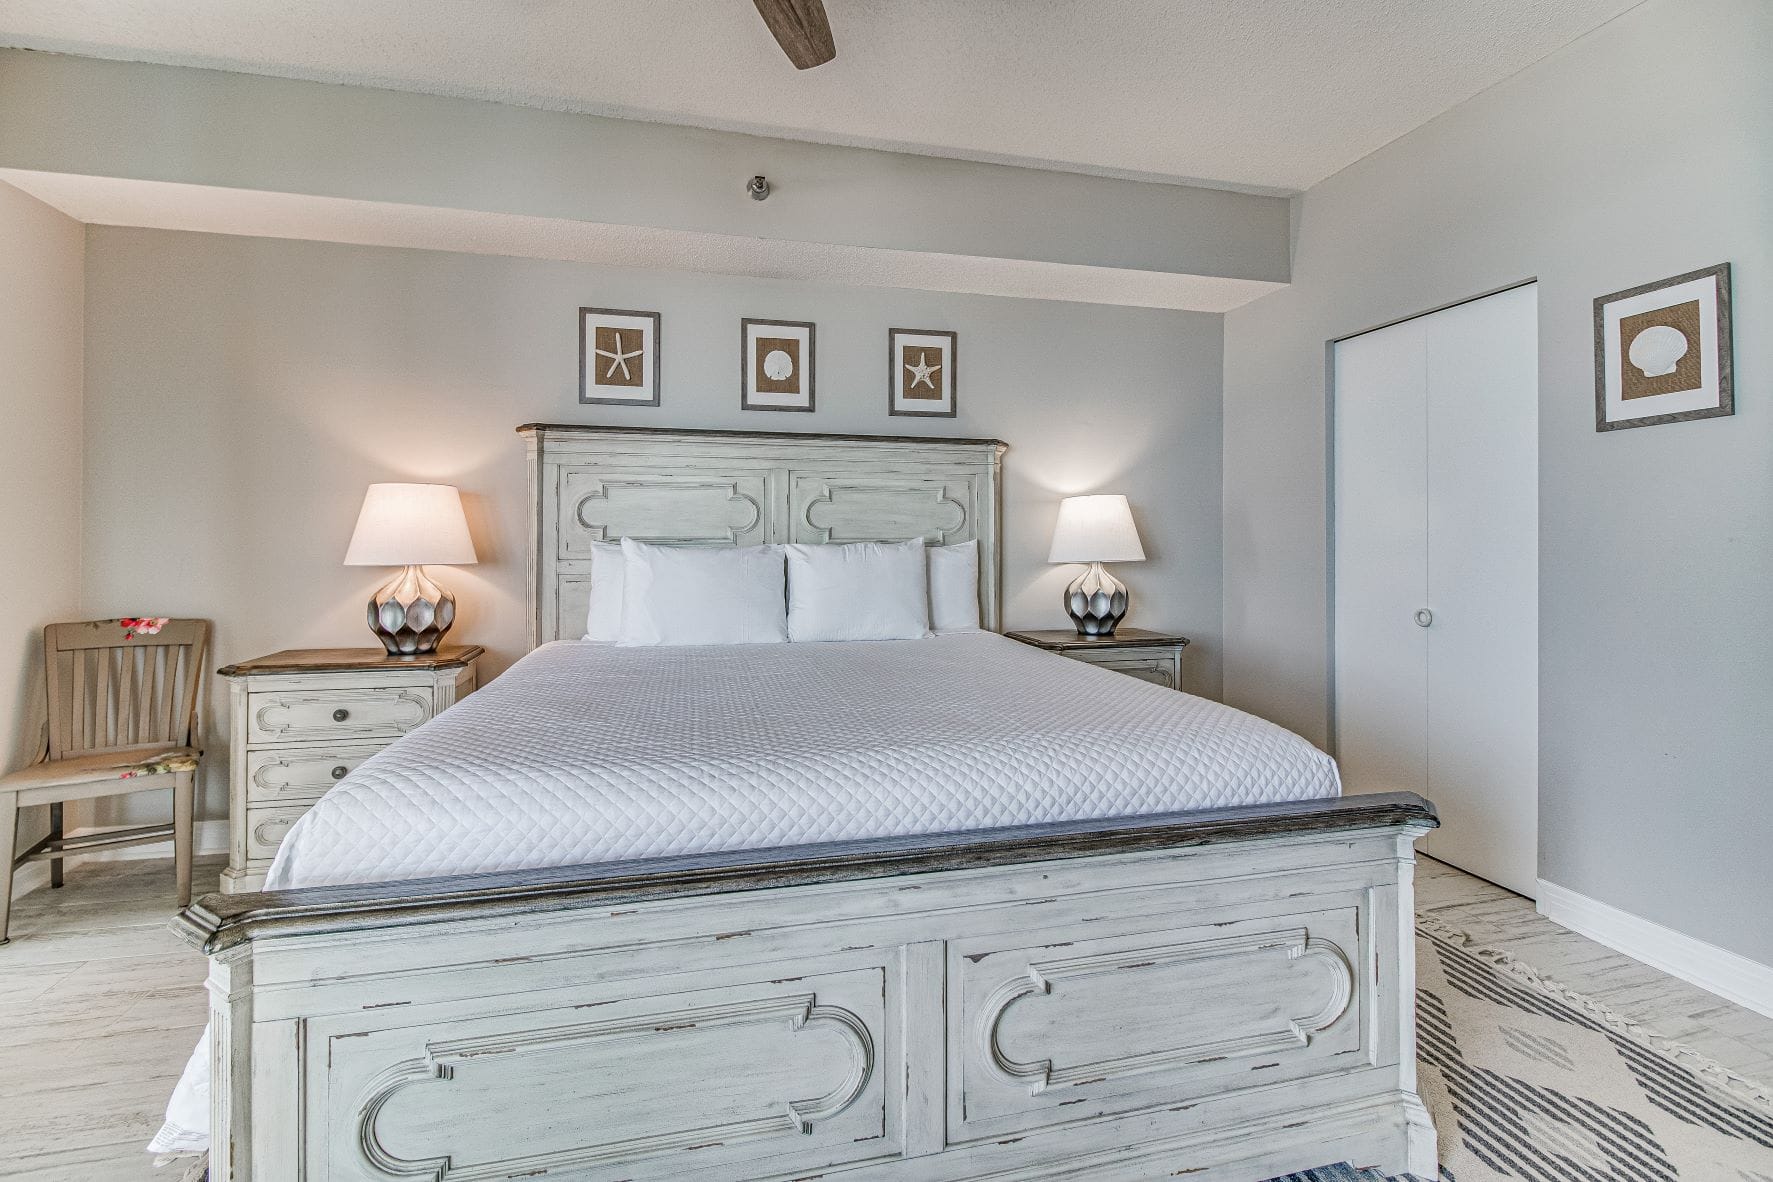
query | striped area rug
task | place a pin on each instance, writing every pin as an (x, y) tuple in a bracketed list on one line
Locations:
[(1531, 1082)]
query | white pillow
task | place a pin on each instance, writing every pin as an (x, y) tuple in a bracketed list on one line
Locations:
[(858, 591), (603, 623), (673, 595), (954, 587)]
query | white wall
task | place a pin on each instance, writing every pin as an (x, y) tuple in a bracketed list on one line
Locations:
[(1642, 151), (286, 376), (41, 293)]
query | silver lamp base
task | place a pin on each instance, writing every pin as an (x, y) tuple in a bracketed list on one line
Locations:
[(409, 614), (1096, 601)]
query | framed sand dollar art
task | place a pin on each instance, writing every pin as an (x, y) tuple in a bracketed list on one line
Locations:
[(1662, 352), (776, 365)]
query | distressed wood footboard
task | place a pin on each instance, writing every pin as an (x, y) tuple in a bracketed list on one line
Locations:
[(1221, 995)]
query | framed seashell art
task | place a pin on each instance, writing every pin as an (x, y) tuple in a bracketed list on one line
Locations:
[(1662, 352)]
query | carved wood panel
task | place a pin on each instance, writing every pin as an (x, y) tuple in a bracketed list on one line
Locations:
[(606, 505), (619, 1087), (1075, 1026), (1113, 1014), (741, 488), (838, 508)]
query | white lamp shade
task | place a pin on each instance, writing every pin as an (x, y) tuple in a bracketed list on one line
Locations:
[(1096, 528), (411, 525)]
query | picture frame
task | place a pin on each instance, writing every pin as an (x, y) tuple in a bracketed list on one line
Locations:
[(618, 357), (778, 365), (1662, 352), (917, 386)]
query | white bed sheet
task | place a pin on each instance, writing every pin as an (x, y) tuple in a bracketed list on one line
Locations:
[(586, 753)]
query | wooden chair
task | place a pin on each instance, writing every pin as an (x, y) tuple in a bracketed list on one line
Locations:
[(122, 709)]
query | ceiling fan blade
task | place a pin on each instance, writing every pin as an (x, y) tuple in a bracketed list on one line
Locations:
[(801, 29)]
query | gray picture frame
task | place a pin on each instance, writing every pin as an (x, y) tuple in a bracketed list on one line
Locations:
[(811, 367), (1726, 368), (952, 362), (585, 396)]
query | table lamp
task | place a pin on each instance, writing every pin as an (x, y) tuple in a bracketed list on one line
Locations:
[(411, 526), (1096, 529)]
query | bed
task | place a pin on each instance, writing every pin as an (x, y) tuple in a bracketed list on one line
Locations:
[(928, 909)]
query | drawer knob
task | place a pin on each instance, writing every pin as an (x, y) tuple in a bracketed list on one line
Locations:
[(338, 773), (340, 714)]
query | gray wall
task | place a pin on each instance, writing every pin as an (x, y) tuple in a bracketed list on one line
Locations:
[(286, 376), (41, 281), (1642, 151)]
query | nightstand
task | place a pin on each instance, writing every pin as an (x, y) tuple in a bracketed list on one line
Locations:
[(1150, 656), (301, 719)]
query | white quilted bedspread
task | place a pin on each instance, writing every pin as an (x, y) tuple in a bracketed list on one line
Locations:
[(588, 753), (591, 753)]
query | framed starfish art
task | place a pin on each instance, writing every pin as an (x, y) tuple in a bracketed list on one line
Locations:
[(922, 382), (618, 357)]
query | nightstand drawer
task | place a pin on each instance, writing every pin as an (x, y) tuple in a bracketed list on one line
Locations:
[(329, 715), (1157, 670), (1150, 656), (267, 827), (292, 775)]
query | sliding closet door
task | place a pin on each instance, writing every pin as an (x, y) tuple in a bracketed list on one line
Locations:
[(1381, 562), (1435, 572), (1483, 586)]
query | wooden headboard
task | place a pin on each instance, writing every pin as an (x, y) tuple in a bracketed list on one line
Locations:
[(740, 488)]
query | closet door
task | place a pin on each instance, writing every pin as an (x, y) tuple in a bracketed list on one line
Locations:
[(1380, 559), (1483, 586), (1435, 571)]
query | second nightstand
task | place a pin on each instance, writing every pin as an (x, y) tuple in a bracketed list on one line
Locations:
[(1150, 656), (301, 720)]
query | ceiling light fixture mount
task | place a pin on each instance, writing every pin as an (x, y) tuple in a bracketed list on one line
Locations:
[(758, 187)]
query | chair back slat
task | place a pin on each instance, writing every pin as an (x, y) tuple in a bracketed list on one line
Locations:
[(71, 723), (154, 689), (101, 701), (114, 686), (122, 732)]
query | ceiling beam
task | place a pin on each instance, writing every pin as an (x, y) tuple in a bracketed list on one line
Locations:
[(180, 125)]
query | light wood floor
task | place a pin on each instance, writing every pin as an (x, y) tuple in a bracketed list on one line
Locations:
[(1740, 1039), (100, 1006)]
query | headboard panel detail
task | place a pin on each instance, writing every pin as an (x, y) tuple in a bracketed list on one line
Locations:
[(727, 488)]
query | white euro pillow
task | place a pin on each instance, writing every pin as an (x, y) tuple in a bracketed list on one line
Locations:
[(603, 623), (858, 591), (954, 587), (678, 595)]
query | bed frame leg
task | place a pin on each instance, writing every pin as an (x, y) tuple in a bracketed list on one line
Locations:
[(1421, 1151), (230, 1066)]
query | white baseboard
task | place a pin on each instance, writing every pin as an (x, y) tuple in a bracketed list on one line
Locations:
[(1732, 977), (212, 838)]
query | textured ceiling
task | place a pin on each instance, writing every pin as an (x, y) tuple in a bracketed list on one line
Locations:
[(1272, 95)]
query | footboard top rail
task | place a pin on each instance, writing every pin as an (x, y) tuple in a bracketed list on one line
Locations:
[(217, 922)]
